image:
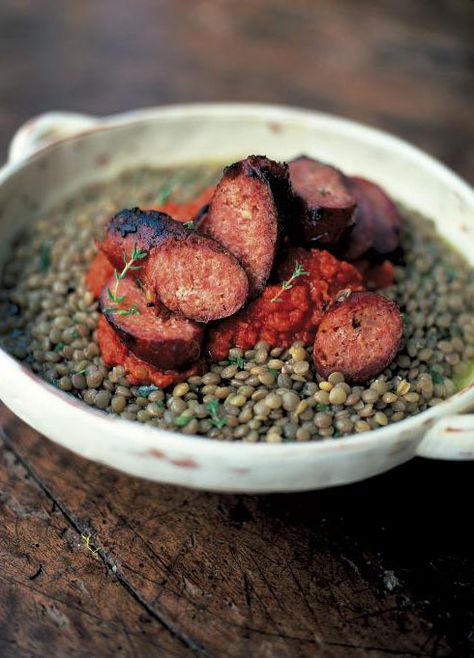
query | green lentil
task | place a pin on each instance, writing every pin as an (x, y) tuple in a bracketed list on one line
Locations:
[(118, 403), (337, 396), (325, 386), (290, 401), (298, 353), (102, 399)]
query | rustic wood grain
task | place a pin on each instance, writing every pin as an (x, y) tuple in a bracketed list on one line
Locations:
[(382, 568)]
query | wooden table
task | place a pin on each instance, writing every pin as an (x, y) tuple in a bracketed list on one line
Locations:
[(382, 568)]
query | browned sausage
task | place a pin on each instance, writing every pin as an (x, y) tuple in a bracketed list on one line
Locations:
[(386, 218), (358, 336), (145, 229), (163, 340), (324, 205), (191, 274), (247, 213), (360, 237)]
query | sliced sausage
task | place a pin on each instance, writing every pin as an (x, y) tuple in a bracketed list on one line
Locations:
[(324, 204), (359, 336), (191, 274), (114, 352), (360, 237), (142, 229), (247, 213), (155, 335), (385, 216)]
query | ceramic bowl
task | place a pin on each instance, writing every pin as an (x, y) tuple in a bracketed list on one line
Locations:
[(54, 155)]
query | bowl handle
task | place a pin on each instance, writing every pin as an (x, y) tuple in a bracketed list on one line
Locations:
[(451, 437), (46, 129)]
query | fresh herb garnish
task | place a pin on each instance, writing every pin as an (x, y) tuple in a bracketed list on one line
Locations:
[(86, 538), (436, 376), (216, 420), (164, 194), (75, 333), (144, 391), (287, 285), (323, 407), (133, 310), (189, 224), (45, 255), (81, 372), (59, 347), (274, 372), (451, 273), (181, 421), (238, 361), (113, 295)]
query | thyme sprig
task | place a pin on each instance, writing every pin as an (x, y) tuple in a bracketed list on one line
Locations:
[(45, 255), (114, 297), (189, 224), (287, 285), (164, 194), (238, 361), (216, 420), (87, 539)]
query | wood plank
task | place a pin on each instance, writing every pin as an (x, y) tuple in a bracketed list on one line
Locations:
[(241, 575), (56, 596)]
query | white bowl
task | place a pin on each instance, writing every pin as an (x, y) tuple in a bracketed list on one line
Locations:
[(56, 154)]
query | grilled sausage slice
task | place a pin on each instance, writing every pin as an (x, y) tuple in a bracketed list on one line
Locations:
[(386, 218), (155, 335), (324, 204), (191, 274), (359, 336), (360, 237), (247, 213)]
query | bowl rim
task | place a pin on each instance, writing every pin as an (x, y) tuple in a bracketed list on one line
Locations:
[(202, 444)]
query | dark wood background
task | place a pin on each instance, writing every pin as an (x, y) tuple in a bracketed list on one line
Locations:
[(382, 568)]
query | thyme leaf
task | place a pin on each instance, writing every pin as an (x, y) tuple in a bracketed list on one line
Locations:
[(189, 224), (129, 264), (86, 538), (164, 194), (287, 285), (436, 376), (144, 391), (216, 420), (324, 407), (238, 361), (45, 255)]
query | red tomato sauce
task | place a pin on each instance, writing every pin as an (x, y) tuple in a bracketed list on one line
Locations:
[(184, 212), (99, 272), (299, 311)]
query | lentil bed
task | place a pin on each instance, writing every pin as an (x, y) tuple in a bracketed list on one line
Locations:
[(48, 320)]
